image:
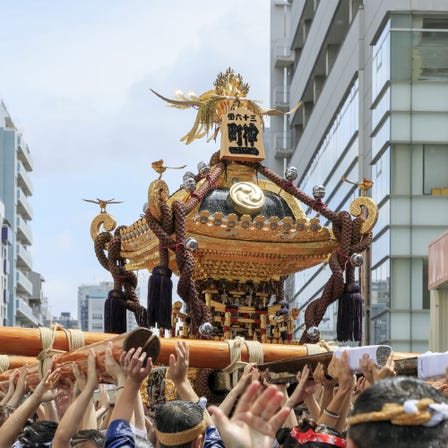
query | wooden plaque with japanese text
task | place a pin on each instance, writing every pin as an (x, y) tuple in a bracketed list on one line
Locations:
[(242, 136)]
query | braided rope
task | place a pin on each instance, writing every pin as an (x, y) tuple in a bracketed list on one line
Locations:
[(396, 414), (347, 233), (75, 339), (125, 279), (231, 371), (255, 350), (47, 338), (173, 219), (4, 363)]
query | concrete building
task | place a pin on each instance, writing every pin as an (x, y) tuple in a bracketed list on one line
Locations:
[(91, 300), (15, 190), (373, 78), (65, 319), (5, 245)]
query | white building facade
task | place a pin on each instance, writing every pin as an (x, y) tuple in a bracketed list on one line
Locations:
[(5, 245), (15, 191), (373, 78)]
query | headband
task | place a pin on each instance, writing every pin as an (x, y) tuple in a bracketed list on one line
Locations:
[(179, 438), (412, 413), (312, 436)]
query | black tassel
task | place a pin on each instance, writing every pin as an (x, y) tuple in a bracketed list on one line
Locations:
[(160, 287), (115, 312), (349, 326)]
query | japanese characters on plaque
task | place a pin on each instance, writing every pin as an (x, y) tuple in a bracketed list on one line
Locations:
[(242, 136)]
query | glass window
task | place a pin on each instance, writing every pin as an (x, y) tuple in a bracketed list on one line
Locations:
[(381, 138), (381, 177), (435, 168), (383, 217), (380, 329), (430, 54), (381, 247), (380, 287), (401, 55), (341, 169), (380, 303), (334, 143), (381, 109), (381, 62)]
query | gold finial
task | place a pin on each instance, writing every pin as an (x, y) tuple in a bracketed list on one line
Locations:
[(103, 203), (159, 168), (229, 93), (364, 185)]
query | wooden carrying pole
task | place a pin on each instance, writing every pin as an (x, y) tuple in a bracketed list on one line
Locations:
[(15, 362), (203, 353), (64, 360), (27, 341)]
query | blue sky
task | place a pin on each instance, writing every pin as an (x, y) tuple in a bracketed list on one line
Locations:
[(75, 77)]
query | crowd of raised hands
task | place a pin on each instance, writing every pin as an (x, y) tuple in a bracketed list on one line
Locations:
[(254, 414)]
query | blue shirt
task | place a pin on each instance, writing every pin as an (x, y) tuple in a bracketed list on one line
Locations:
[(212, 438), (119, 435)]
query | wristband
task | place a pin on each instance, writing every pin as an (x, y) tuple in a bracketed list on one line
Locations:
[(330, 414)]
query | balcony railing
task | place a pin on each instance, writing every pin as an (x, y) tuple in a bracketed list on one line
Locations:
[(23, 154), (24, 285), (281, 99), (23, 206), (24, 258), (283, 145), (24, 233), (24, 313), (23, 179), (283, 55)]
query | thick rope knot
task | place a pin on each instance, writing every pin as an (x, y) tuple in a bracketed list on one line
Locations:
[(255, 351), (4, 363), (47, 337)]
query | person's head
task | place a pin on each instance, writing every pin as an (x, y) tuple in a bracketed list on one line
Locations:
[(88, 438), (398, 432), (179, 424), (37, 435)]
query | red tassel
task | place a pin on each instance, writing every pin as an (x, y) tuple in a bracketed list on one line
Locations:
[(349, 327)]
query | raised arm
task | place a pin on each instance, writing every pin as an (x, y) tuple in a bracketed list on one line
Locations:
[(255, 420), (44, 391), (119, 432), (304, 389), (71, 420), (11, 388), (230, 399), (177, 373), (335, 414), (20, 388)]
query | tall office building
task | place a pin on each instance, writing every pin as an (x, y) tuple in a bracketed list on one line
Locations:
[(373, 78), (5, 244), (15, 190), (91, 300)]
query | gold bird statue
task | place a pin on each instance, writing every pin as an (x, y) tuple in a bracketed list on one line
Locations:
[(160, 168), (103, 203)]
